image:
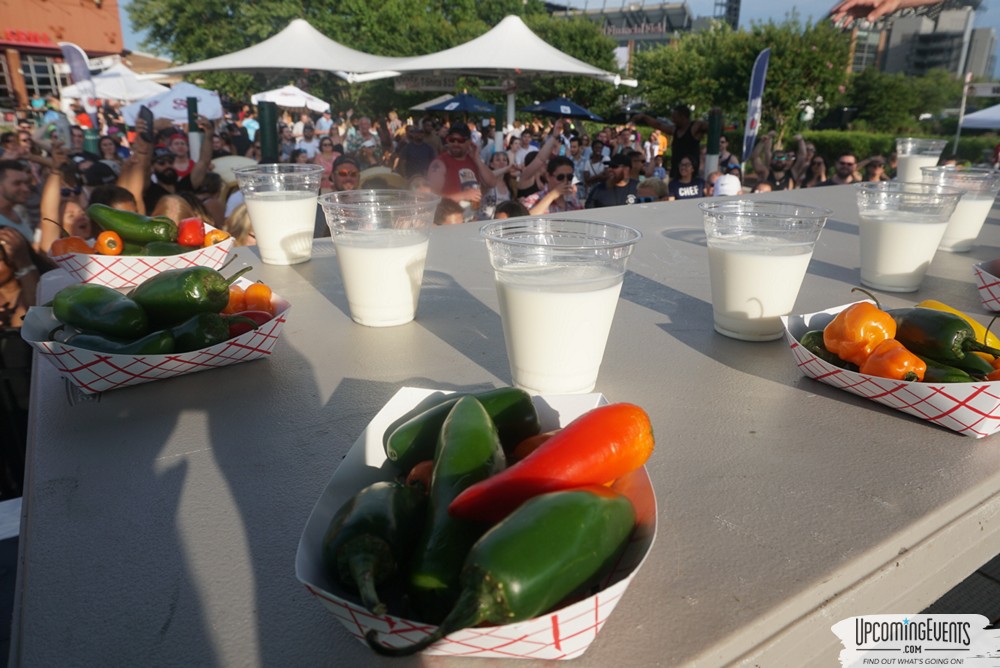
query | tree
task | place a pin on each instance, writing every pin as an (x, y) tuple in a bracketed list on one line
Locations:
[(712, 68)]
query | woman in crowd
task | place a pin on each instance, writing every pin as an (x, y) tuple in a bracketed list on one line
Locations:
[(688, 186), (108, 148), (505, 188), (816, 173), (239, 227), (325, 159), (183, 164)]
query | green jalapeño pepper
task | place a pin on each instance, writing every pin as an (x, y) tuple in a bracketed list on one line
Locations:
[(155, 343), (468, 451), (813, 342), (97, 308), (940, 335), (534, 558), (164, 248), (173, 296), (511, 410), (943, 373), (131, 226), (205, 330), (371, 535)]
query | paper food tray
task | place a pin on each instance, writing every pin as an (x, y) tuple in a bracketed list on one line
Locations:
[(122, 271), (94, 372), (561, 634), (988, 284), (971, 409)]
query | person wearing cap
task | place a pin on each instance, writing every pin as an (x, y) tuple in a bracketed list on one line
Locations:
[(726, 185), (309, 142), (151, 173), (458, 173), (415, 155), (873, 169), (324, 123), (687, 136), (617, 188)]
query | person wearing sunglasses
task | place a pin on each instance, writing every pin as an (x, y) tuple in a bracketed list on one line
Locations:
[(845, 170), (773, 165), (559, 194), (816, 174), (458, 173)]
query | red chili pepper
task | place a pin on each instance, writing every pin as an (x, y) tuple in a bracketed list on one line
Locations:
[(599, 446), (245, 321), (191, 232)]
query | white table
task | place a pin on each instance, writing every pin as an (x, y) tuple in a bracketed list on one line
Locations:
[(161, 521)]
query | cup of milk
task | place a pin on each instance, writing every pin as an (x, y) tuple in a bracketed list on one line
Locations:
[(901, 226), (557, 282), (980, 188), (913, 154), (758, 253), (281, 201), (381, 237)]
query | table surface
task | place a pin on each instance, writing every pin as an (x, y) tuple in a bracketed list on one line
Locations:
[(161, 521)]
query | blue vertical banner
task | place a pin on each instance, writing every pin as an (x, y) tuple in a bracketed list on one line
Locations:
[(79, 70), (754, 103)]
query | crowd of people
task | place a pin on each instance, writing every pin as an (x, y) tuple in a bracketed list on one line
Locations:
[(49, 174)]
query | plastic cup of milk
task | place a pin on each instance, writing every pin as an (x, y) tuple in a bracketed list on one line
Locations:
[(901, 226), (381, 237), (557, 282), (980, 188), (913, 154), (281, 201), (758, 253)]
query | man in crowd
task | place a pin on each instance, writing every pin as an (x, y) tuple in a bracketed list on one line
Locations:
[(15, 189), (844, 171), (458, 173), (687, 136), (416, 155), (309, 142), (617, 188), (359, 135), (773, 166)]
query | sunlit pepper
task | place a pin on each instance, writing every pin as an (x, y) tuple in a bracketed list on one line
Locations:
[(67, 245), (213, 237), (891, 359), (109, 243), (857, 331)]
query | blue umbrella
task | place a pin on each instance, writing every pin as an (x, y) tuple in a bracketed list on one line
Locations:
[(562, 107), (465, 103)]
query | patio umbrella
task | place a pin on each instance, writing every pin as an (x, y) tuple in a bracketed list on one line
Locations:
[(563, 108), (465, 103), (118, 83), (172, 104), (292, 97)]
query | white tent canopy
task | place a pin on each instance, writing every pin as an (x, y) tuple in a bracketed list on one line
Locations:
[(297, 47), (172, 104), (508, 51), (984, 119), (291, 97), (117, 83)]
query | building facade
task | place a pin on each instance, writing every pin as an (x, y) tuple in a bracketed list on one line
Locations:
[(30, 32)]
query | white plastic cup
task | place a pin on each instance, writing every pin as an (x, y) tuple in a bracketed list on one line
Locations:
[(281, 201), (980, 187), (381, 237), (758, 254), (558, 282), (913, 154), (901, 226)]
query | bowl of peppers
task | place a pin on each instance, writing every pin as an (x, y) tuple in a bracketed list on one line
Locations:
[(131, 247), (473, 523), (176, 322), (928, 360)]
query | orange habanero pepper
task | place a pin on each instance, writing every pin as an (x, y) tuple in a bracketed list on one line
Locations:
[(67, 245), (109, 243), (857, 331), (891, 359)]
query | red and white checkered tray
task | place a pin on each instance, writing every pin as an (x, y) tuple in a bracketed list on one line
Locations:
[(561, 634), (122, 271), (971, 409), (94, 372), (988, 284)]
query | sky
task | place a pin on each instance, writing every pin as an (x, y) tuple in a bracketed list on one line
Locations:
[(750, 10)]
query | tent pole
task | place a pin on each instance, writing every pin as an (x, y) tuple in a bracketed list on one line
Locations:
[(509, 126)]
